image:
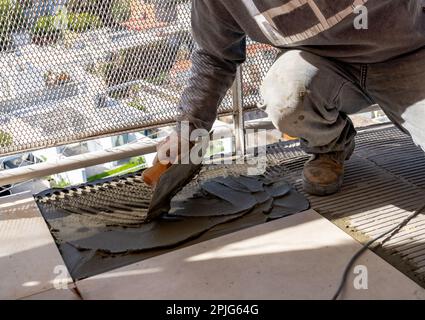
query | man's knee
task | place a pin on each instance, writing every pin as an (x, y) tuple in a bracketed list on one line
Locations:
[(286, 112), (284, 90)]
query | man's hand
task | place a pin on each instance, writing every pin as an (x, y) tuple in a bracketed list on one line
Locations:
[(167, 155), (169, 150), (174, 149)]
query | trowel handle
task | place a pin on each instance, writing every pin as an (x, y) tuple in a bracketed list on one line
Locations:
[(151, 175)]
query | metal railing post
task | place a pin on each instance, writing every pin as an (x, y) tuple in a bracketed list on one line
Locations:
[(238, 115)]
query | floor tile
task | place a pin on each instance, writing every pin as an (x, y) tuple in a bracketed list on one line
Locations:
[(300, 257), (53, 294), (30, 262)]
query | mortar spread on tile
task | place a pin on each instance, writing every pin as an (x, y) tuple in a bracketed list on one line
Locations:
[(108, 218)]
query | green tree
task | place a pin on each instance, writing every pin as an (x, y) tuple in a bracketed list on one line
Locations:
[(11, 19), (6, 139), (110, 12), (45, 30), (81, 22), (121, 10)]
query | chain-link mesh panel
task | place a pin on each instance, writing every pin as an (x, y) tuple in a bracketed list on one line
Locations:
[(260, 58), (77, 69)]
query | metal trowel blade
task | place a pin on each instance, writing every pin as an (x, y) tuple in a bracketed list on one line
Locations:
[(170, 183)]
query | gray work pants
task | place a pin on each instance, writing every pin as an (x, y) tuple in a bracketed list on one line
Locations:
[(309, 97)]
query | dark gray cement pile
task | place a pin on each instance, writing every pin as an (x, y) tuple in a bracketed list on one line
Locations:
[(102, 226)]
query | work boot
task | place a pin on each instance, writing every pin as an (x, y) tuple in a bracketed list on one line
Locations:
[(324, 173)]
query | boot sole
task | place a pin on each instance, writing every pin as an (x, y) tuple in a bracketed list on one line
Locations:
[(322, 190)]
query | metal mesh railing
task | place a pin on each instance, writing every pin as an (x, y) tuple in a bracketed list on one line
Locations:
[(260, 58), (72, 70)]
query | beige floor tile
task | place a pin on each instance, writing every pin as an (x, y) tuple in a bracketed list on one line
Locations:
[(300, 257), (54, 294), (30, 262)]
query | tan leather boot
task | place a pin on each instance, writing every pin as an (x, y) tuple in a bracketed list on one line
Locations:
[(324, 174)]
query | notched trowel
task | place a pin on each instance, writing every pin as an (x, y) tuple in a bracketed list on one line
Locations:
[(167, 181)]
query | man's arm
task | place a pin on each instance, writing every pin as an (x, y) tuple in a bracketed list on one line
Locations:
[(221, 47)]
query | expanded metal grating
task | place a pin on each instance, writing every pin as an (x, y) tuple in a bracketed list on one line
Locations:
[(71, 70)]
